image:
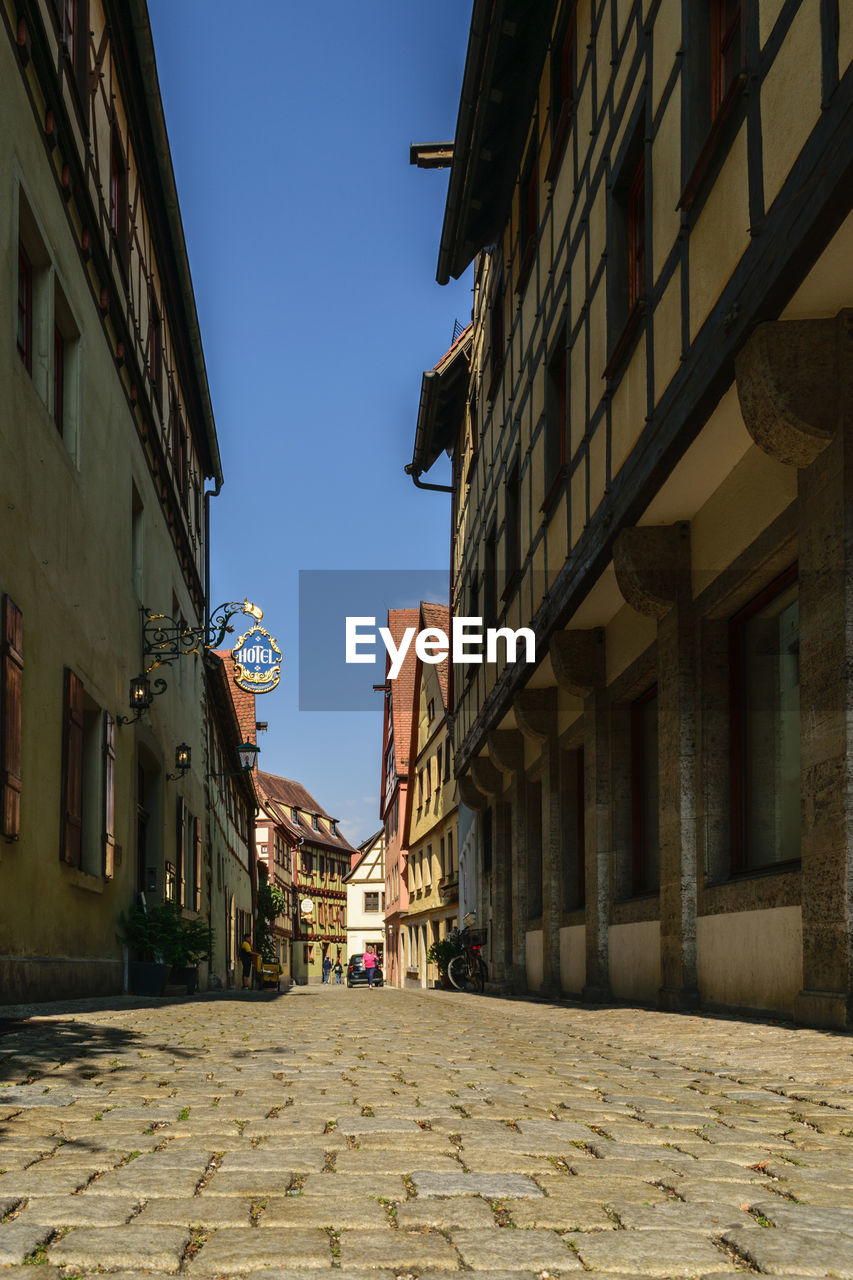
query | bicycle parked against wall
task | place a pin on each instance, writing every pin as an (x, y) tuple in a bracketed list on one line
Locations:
[(468, 972)]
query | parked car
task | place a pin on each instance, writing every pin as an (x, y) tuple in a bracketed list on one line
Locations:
[(357, 974)]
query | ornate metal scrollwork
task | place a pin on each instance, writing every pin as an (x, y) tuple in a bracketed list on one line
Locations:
[(165, 639)]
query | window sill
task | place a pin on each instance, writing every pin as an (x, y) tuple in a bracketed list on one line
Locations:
[(83, 880), (626, 341), (552, 497)]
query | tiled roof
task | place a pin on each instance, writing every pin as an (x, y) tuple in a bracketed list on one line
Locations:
[(280, 796), (244, 703), (438, 615), (403, 688), (451, 351)]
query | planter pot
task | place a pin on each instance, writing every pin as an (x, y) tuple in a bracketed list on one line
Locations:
[(147, 978), (185, 975)]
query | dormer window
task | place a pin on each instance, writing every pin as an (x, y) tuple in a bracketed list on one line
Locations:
[(294, 814), (315, 822), (334, 827)]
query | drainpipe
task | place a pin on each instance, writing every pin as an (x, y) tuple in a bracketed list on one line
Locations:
[(208, 494), (419, 483)]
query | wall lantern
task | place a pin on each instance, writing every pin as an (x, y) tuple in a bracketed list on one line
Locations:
[(140, 697), (183, 760), (248, 753)]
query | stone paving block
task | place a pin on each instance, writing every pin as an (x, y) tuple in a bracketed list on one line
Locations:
[(196, 1211), (489, 1186), (240, 1250), (336, 1211), (707, 1219), (42, 1180), (248, 1182), (569, 1213), (144, 1182), (400, 1160), (806, 1217), (359, 1124), (709, 1191), (193, 1160), (26, 1273), (389, 1186), (533, 1250), (650, 1253), (18, 1239), (505, 1162), (447, 1215), (400, 1250), (132, 1247), (258, 1158), (80, 1210), (779, 1252)]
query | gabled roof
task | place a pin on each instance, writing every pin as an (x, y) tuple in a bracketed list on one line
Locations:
[(402, 689), (444, 390), (364, 850), (506, 51), (280, 796), (438, 615)]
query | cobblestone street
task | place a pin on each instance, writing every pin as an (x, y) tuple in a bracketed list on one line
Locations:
[(415, 1133)]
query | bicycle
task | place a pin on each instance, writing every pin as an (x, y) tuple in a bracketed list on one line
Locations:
[(468, 972)]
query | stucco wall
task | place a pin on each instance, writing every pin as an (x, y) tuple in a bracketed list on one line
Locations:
[(635, 960), (573, 958), (751, 959)]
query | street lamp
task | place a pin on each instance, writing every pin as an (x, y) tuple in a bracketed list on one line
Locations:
[(183, 760), (247, 754)]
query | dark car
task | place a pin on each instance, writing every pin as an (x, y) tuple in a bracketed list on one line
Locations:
[(357, 974)]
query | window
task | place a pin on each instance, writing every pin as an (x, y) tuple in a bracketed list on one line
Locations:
[(441, 857), (371, 901), (645, 843), (11, 718), (87, 825), (447, 763), (58, 378), (315, 822), (496, 330), (25, 309), (528, 212), (307, 863), (715, 49), (73, 22), (556, 421), (430, 710), (450, 853), (562, 86), (155, 367), (322, 867), (428, 774), (66, 348), (420, 788), (765, 727), (294, 816), (490, 584), (626, 266), (438, 774), (512, 528), (171, 885), (119, 223), (333, 827)]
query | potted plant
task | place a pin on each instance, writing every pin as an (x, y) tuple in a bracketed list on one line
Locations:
[(442, 952), (140, 931), (185, 943)]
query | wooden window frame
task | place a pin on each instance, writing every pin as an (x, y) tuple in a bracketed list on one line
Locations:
[(71, 823), (528, 213), (109, 797), (737, 730), (118, 211), (11, 719), (512, 530), (723, 91), (628, 249), (556, 424), (497, 332), (25, 309), (636, 219), (58, 379), (563, 89)]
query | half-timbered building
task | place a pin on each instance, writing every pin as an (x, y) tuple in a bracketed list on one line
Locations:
[(106, 438), (652, 470)]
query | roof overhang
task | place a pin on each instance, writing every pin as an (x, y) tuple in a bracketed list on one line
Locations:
[(506, 50), (443, 393)]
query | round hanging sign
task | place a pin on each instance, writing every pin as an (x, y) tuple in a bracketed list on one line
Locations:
[(306, 907)]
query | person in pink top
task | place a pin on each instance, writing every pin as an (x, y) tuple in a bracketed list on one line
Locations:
[(369, 962)]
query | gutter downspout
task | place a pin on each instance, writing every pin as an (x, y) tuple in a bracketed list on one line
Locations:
[(208, 494), (420, 484)]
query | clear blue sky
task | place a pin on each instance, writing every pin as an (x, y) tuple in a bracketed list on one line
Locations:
[(313, 248)]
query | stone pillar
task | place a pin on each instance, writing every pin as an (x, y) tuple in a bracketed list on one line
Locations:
[(653, 570), (506, 751), (536, 717), (795, 382), (577, 658), (493, 882)]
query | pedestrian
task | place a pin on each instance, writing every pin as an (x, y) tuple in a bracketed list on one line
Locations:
[(369, 963), (327, 966), (339, 971), (246, 955)]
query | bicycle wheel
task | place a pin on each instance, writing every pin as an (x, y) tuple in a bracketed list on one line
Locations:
[(459, 973)]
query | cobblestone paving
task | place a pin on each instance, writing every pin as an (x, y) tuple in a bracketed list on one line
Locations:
[(412, 1134)]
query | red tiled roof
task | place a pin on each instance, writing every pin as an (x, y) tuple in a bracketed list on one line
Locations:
[(451, 351), (438, 615), (280, 796), (244, 703), (402, 689)]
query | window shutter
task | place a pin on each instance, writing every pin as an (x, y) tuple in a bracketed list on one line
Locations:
[(197, 860), (72, 771), (179, 850), (109, 795), (11, 725)]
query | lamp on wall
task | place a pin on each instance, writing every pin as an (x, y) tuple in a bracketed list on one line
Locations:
[(183, 760), (247, 754), (141, 696)]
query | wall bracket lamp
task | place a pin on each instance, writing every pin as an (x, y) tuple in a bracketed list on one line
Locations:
[(141, 696), (183, 760), (247, 753)]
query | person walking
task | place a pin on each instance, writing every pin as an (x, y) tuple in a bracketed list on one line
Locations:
[(327, 966), (246, 956), (369, 962), (339, 971)]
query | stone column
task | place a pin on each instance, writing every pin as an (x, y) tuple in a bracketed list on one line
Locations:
[(653, 571), (493, 883), (795, 382), (536, 717), (577, 658), (506, 751)]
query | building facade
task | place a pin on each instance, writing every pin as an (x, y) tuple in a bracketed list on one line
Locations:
[(106, 439), (276, 847), (365, 886), (430, 828), (321, 858), (651, 471), (394, 785)]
